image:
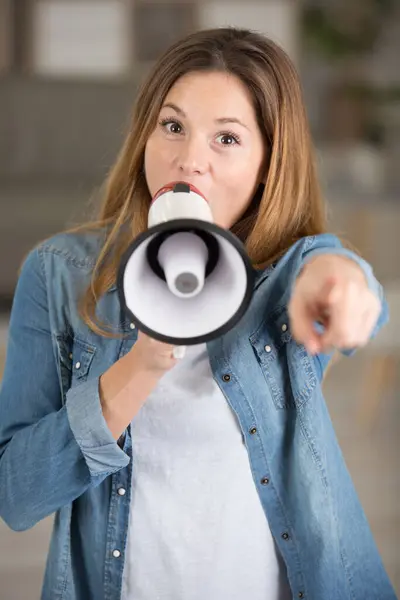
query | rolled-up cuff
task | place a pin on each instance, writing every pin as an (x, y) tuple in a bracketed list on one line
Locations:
[(100, 450)]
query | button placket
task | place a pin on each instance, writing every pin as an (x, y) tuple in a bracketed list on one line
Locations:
[(81, 358)]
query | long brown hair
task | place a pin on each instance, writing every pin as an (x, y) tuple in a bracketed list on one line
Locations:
[(290, 207)]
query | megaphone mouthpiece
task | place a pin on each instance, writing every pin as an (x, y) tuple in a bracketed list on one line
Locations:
[(183, 256)]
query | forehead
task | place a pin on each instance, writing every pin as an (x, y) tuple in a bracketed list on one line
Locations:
[(211, 90)]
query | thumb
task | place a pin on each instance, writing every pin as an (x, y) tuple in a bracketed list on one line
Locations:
[(329, 293)]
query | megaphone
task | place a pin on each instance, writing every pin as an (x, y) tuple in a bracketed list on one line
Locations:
[(184, 280)]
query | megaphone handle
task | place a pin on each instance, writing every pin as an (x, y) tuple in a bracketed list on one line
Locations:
[(179, 351)]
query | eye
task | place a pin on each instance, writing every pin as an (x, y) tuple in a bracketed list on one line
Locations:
[(171, 126), (228, 139)]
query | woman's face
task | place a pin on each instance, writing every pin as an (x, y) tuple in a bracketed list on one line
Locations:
[(207, 135)]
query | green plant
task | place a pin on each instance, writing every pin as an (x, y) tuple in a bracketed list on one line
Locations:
[(336, 39), (342, 40)]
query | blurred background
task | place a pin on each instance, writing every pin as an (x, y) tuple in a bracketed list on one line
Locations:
[(69, 71)]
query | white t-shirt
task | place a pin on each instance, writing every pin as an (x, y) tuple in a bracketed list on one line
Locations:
[(197, 530)]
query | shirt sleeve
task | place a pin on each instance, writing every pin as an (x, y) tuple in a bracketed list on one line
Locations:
[(50, 452)]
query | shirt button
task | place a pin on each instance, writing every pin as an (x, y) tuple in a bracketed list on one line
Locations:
[(77, 366), (226, 377), (70, 356), (121, 491), (301, 595), (285, 536), (253, 430), (132, 325), (265, 481), (268, 348), (116, 553), (284, 327)]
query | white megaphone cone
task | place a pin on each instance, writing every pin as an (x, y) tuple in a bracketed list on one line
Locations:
[(185, 280)]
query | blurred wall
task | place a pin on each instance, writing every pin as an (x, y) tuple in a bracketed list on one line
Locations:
[(57, 141), (62, 119)]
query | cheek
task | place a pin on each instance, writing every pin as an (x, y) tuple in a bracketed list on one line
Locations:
[(244, 181), (150, 155), (242, 169), (155, 166), (229, 206), (239, 187)]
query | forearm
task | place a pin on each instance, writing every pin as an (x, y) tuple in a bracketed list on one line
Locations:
[(123, 390)]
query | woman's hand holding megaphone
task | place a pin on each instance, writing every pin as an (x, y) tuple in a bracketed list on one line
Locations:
[(127, 384), (154, 356)]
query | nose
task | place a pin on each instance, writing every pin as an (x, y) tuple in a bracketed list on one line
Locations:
[(192, 158)]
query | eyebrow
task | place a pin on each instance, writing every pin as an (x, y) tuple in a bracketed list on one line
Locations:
[(221, 120)]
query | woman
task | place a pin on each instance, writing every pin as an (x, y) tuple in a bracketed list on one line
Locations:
[(219, 475)]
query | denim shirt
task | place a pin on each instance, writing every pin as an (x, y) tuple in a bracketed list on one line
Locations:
[(57, 454)]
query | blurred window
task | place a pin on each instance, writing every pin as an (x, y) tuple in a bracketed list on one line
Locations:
[(122, 38), (274, 18), (84, 38)]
